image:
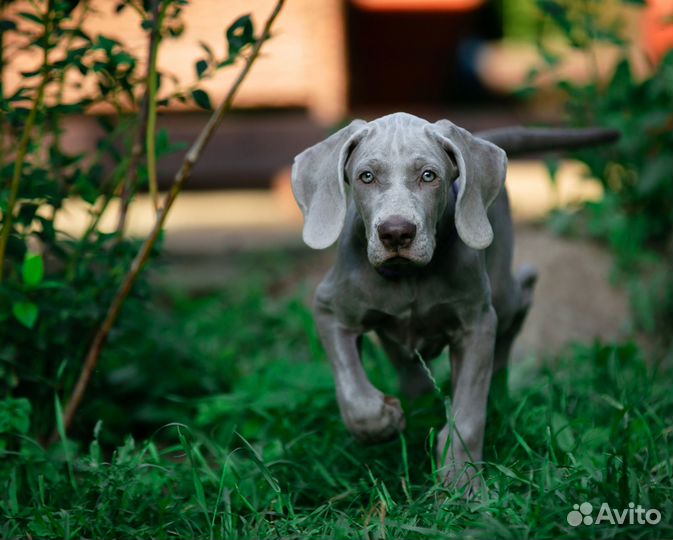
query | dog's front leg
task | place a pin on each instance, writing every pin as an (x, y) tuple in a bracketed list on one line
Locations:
[(367, 413), (462, 439)]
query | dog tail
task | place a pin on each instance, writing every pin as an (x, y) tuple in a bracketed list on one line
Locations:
[(518, 140)]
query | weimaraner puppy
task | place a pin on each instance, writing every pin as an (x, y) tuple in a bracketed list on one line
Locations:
[(424, 260)]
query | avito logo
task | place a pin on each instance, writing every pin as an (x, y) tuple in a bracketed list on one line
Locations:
[(583, 514)]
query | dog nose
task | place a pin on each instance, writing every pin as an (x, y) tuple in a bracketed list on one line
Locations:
[(396, 232)]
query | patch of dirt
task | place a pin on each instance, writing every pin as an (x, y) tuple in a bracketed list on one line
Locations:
[(574, 300)]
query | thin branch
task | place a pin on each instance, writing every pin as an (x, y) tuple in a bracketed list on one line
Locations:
[(22, 149), (134, 163), (143, 116), (152, 82), (141, 258), (2, 87), (84, 10)]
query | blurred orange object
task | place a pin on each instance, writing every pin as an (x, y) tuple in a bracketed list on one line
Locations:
[(418, 5), (657, 29)]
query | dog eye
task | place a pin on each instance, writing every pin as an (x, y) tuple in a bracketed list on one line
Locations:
[(428, 176), (367, 177)]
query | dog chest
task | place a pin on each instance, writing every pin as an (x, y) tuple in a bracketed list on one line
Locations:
[(412, 328)]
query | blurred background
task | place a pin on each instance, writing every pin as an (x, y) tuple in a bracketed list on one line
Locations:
[(466, 60)]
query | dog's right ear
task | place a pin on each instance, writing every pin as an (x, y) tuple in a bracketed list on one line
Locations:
[(318, 184)]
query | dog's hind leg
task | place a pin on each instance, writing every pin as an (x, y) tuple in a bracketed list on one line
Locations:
[(524, 284)]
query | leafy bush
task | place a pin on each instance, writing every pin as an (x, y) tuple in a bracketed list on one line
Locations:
[(55, 289), (635, 213)]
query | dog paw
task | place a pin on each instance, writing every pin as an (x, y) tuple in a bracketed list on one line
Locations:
[(459, 466), (376, 419), (464, 478)]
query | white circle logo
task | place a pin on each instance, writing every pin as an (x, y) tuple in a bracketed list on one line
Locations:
[(581, 513)]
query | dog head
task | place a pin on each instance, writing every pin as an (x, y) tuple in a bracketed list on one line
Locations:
[(399, 170)]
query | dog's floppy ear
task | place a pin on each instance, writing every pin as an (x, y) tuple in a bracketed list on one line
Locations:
[(481, 174), (318, 184)]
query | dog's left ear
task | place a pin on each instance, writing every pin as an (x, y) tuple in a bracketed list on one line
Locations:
[(481, 174)]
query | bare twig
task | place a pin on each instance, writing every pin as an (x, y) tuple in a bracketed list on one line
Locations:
[(141, 258)]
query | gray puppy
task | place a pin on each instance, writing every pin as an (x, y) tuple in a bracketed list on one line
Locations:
[(424, 260)]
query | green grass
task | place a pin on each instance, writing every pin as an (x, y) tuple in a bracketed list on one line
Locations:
[(237, 435)]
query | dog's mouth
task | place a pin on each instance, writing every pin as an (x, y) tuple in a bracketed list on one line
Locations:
[(398, 266), (398, 260)]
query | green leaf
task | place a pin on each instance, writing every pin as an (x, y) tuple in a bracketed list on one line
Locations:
[(257, 458), (196, 480), (240, 34), (201, 99), (31, 17), (31, 74), (85, 186), (201, 67), (558, 13), (14, 415), (552, 165), (106, 43), (25, 312), (67, 6), (509, 473), (6, 24), (656, 173), (60, 428), (562, 432), (622, 81), (32, 269)]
